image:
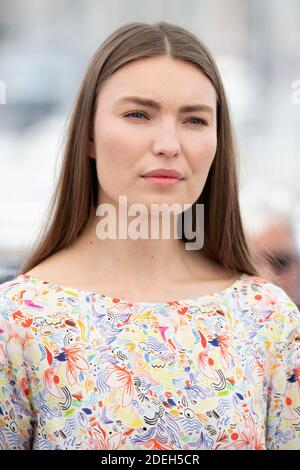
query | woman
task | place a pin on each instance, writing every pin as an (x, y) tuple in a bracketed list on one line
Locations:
[(143, 343)]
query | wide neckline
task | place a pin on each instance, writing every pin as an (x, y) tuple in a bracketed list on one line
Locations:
[(116, 299)]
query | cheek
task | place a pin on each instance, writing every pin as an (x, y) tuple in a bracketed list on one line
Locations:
[(114, 149), (115, 158), (202, 157), (206, 150)]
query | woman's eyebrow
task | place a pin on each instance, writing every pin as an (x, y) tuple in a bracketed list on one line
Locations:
[(153, 104)]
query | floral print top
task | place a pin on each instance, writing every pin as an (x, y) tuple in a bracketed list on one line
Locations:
[(81, 370)]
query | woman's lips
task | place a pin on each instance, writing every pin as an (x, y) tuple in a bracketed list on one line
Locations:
[(162, 180)]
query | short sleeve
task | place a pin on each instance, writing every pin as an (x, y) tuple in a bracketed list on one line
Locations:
[(16, 415), (283, 416)]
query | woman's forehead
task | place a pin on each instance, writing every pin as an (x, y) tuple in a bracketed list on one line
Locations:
[(159, 84)]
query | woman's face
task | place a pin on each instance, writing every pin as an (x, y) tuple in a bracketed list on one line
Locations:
[(127, 145)]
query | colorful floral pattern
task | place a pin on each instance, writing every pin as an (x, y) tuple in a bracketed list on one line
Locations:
[(81, 370)]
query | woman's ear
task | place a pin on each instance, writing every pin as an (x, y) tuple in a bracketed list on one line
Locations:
[(91, 149), (91, 144)]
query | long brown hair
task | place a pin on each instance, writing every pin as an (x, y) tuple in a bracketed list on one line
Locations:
[(77, 187)]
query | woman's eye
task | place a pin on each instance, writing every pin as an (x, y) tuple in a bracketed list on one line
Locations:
[(199, 121), (136, 112)]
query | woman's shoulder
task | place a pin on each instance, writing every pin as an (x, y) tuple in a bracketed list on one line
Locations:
[(269, 305), (31, 283), (23, 298), (13, 317), (265, 293), (12, 288), (17, 285)]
